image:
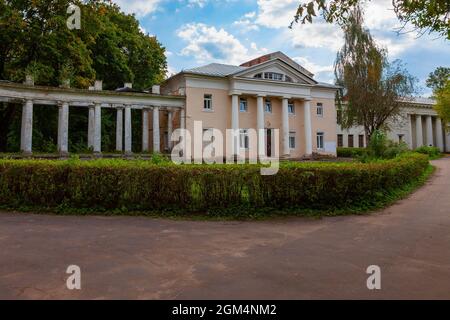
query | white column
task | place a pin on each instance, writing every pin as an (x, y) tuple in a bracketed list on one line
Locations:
[(285, 127), (169, 128), (26, 139), (63, 128), (128, 134), (439, 135), (156, 135), (98, 128), (145, 142), (429, 131), (260, 125), (91, 126), (119, 129), (410, 129), (183, 119), (235, 122), (308, 128), (419, 132)]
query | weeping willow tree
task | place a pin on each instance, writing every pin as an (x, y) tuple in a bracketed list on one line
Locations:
[(373, 89)]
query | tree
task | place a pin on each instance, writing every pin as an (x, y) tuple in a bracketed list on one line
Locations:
[(110, 46), (438, 79), (442, 106), (373, 89), (431, 16)]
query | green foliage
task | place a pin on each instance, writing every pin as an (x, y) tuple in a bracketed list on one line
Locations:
[(35, 40), (438, 79), (426, 16), (111, 185), (431, 152), (351, 152), (380, 147), (442, 106)]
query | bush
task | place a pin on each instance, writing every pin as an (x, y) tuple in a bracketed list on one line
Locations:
[(431, 152), (351, 152), (109, 185)]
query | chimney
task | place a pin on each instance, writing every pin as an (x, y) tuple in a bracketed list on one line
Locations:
[(98, 86), (29, 80), (156, 89), (128, 85)]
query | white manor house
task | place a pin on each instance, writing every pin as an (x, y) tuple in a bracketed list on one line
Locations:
[(267, 93)]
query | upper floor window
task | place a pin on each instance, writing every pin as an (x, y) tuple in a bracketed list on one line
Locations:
[(207, 102), (268, 106), (273, 76), (291, 108), (243, 105), (258, 76), (320, 109)]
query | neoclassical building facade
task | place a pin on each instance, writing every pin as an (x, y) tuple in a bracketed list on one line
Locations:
[(267, 93), (417, 125)]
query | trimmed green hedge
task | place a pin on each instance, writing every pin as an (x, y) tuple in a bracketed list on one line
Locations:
[(108, 185), (351, 152)]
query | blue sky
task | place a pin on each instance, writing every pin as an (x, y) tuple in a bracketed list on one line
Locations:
[(198, 32)]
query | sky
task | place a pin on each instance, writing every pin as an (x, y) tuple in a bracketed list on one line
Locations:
[(199, 32)]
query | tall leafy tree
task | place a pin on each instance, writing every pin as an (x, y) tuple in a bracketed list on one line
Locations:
[(438, 78), (426, 16), (373, 89), (34, 39), (442, 106)]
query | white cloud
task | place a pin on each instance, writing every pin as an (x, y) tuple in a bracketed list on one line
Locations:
[(247, 23), (198, 3), (139, 7), (276, 14), (313, 67), (208, 44)]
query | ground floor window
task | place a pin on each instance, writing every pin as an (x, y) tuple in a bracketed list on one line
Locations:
[(350, 141), (361, 141), (401, 138), (243, 139), (320, 143), (292, 140), (340, 140)]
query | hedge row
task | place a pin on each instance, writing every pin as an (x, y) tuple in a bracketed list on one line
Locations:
[(351, 152), (138, 186)]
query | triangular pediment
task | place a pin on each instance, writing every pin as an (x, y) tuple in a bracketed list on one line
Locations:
[(272, 70)]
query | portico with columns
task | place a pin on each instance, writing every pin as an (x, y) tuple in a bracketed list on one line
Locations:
[(271, 94), (95, 100)]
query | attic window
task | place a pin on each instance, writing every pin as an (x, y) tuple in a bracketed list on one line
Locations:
[(273, 76), (258, 76)]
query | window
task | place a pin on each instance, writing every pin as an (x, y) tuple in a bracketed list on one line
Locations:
[(258, 76), (361, 141), (207, 102), (243, 105), (340, 140), (320, 109), (291, 108), (268, 107), (401, 138), (320, 144), (273, 76), (243, 138), (350, 141), (292, 140)]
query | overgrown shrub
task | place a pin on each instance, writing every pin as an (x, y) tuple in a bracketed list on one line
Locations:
[(432, 152), (351, 152), (109, 185)]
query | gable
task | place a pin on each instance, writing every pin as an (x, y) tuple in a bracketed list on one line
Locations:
[(276, 70)]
